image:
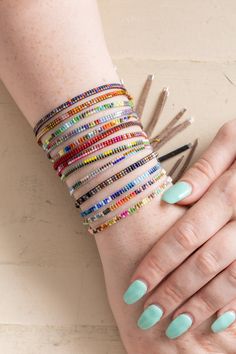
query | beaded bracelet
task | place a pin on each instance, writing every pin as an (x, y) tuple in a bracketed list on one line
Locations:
[(110, 164), (120, 191), (85, 141), (52, 138), (131, 210), (125, 199), (101, 129), (73, 150), (89, 112), (114, 178), (103, 155), (80, 108), (72, 157), (74, 100)]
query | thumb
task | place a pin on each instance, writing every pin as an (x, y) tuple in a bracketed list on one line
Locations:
[(216, 159)]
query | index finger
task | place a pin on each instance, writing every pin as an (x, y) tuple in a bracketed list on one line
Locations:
[(215, 160)]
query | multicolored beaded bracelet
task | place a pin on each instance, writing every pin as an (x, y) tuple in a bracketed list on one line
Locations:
[(93, 133), (75, 155), (72, 157), (131, 210), (80, 108), (114, 178), (110, 164), (74, 100), (120, 191), (52, 138), (125, 199), (103, 155), (84, 142)]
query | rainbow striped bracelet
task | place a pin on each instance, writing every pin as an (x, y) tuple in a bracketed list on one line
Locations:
[(131, 210)]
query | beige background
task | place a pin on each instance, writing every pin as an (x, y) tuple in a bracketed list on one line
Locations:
[(52, 297)]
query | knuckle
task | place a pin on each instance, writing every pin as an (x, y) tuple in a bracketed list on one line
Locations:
[(186, 236), (173, 292), (232, 273), (207, 303), (153, 264), (205, 167), (207, 263)]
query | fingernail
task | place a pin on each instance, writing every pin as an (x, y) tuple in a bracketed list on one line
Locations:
[(177, 192), (135, 291), (150, 316), (179, 326), (223, 321)]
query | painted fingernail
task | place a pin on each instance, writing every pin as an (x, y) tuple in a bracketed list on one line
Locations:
[(150, 316), (223, 321), (179, 326), (135, 291), (177, 192)]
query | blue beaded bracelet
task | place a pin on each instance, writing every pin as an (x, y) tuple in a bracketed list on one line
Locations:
[(121, 191)]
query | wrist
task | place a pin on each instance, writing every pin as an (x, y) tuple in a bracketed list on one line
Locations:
[(140, 169)]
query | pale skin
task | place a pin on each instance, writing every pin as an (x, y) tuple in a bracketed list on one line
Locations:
[(205, 282), (41, 70)]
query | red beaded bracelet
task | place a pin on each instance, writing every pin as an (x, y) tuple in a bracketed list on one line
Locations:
[(81, 144), (71, 159)]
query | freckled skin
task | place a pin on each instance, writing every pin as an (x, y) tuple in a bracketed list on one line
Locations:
[(44, 60)]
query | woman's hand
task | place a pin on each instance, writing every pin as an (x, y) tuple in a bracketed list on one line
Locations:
[(198, 254)]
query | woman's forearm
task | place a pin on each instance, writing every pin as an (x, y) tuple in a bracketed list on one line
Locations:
[(51, 51)]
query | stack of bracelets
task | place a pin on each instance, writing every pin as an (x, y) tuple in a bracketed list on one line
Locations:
[(72, 141)]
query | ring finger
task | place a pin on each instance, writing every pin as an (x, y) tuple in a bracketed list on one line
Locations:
[(188, 278), (204, 303)]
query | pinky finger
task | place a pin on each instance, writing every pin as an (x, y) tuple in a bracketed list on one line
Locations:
[(214, 296), (226, 318)]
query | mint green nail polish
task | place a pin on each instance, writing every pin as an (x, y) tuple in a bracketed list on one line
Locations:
[(150, 316), (177, 192), (135, 291), (179, 326), (223, 321)]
